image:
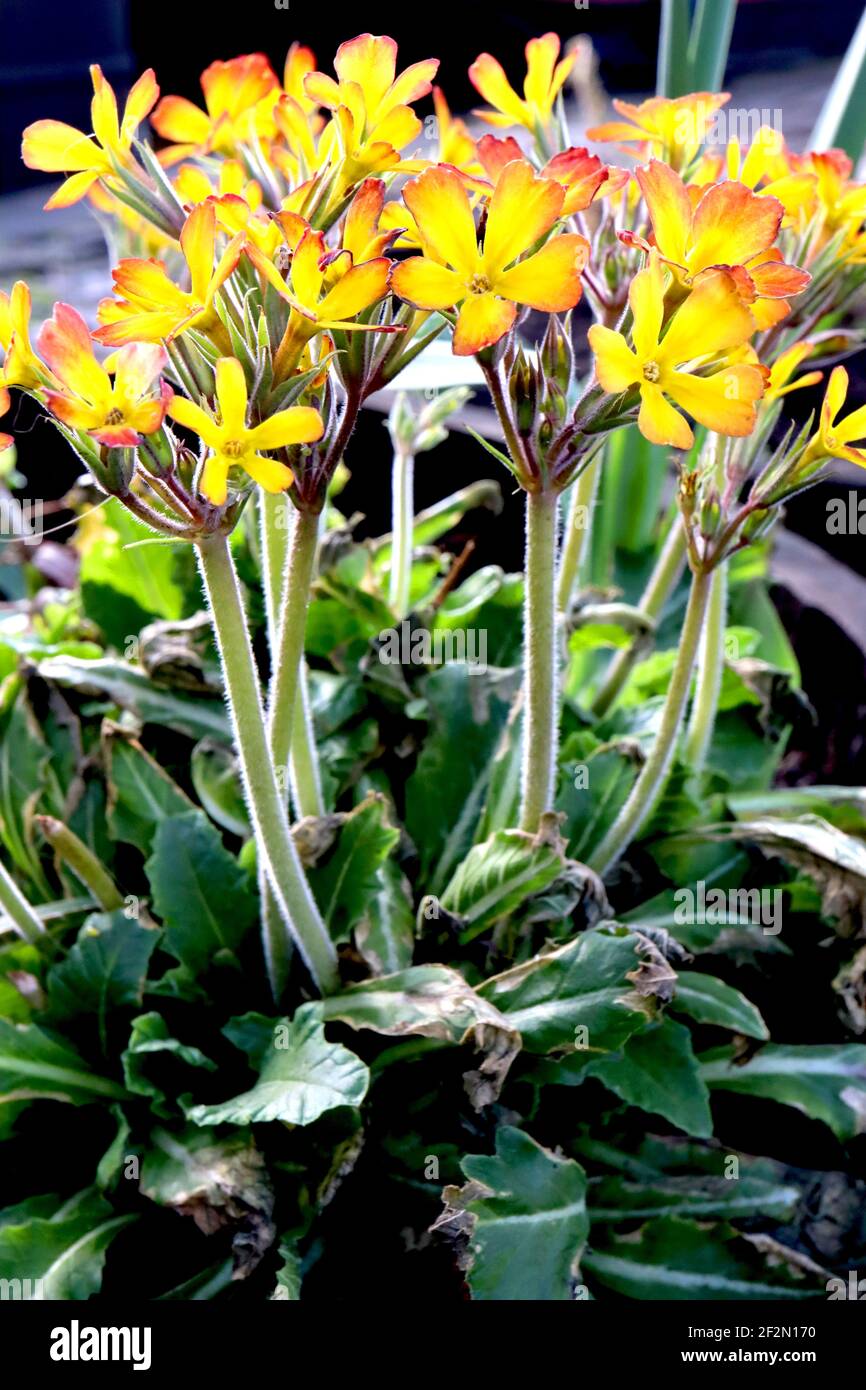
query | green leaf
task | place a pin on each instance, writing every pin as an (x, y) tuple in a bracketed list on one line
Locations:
[(442, 517), (122, 589), (385, 935), (345, 882), (200, 892), (288, 1288), (710, 1000), (709, 45), (701, 1196), (33, 1065), (217, 781), (24, 760), (121, 683), (150, 1062), (219, 1179), (601, 983), (303, 1077), (675, 1259), (61, 1257), (433, 1001), (656, 1070), (595, 782), (498, 876), (526, 1210), (446, 792), (140, 793), (673, 77), (826, 1082), (105, 969)]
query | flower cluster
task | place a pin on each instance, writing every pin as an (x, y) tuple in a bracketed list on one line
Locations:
[(292, 246)]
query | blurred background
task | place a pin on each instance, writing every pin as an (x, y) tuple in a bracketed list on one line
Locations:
[(784, 55)]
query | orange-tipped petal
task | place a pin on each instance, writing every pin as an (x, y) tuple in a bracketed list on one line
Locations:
[(522, 209), (66, 346), (143, 95), (178, 120), (669, 209), (732, 225), (488, 77), (438, 201), (482, 321), (357, 290), (137, 368), (723, 402), (712, 319), (197, 240), (549, 280)]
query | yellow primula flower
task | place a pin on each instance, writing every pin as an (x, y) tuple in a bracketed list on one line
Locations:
[(57, 148), (711, 321), (541, 86), (239, 98), (489, 282), (836, 438), (782, 370), (21, 366), (150, 307), (232, 444), (669, 128)]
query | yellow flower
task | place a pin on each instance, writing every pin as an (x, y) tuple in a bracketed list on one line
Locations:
[(710, 322), (780, 383), (232, 444), (488, 283), (21, 366), (115, 412), (57, 148), (668, 128), (151, 308), (835, 438), (239, 96), (541, 86)]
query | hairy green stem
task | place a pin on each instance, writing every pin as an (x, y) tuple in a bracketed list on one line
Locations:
[(306, 780), (540, 660), (266, 802), (711, 665), (18, 909), (645, 793), (402, 527), (666, 572), (578, 529)]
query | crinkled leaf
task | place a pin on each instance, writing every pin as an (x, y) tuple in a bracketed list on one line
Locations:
[(302, 1077)]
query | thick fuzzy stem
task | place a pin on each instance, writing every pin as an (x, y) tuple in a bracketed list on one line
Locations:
[(540, 660), (18, 909), (650, 784), (668, 568), (578, 530), (402, 526), (266, 802), (711, 665)]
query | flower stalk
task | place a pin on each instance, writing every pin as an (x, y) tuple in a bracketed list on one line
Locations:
[(300, 917), (541, 660), (711, 665)]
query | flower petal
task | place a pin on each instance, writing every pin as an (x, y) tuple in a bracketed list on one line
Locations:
[(669, 208), (712, 319), (439, 203), (482, 321), (137, 368), (731, 225), (549, 280), (57, 148), (617, 366), (231, 390), (194, 418), (427, 284), (488, 77), (299, 424), (724, 402), (66, 346), (360, 287), (522, 209), (660, 423), (270, 474), (179, 120), (647, 299), (214, 479), (197, 240)]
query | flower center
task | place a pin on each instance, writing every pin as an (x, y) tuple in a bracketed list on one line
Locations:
[(114, 416), (651, 371), (479, 284), (234, 449)]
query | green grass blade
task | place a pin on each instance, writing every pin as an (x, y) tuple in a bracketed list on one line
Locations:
[(673, 70), (710, 43)]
